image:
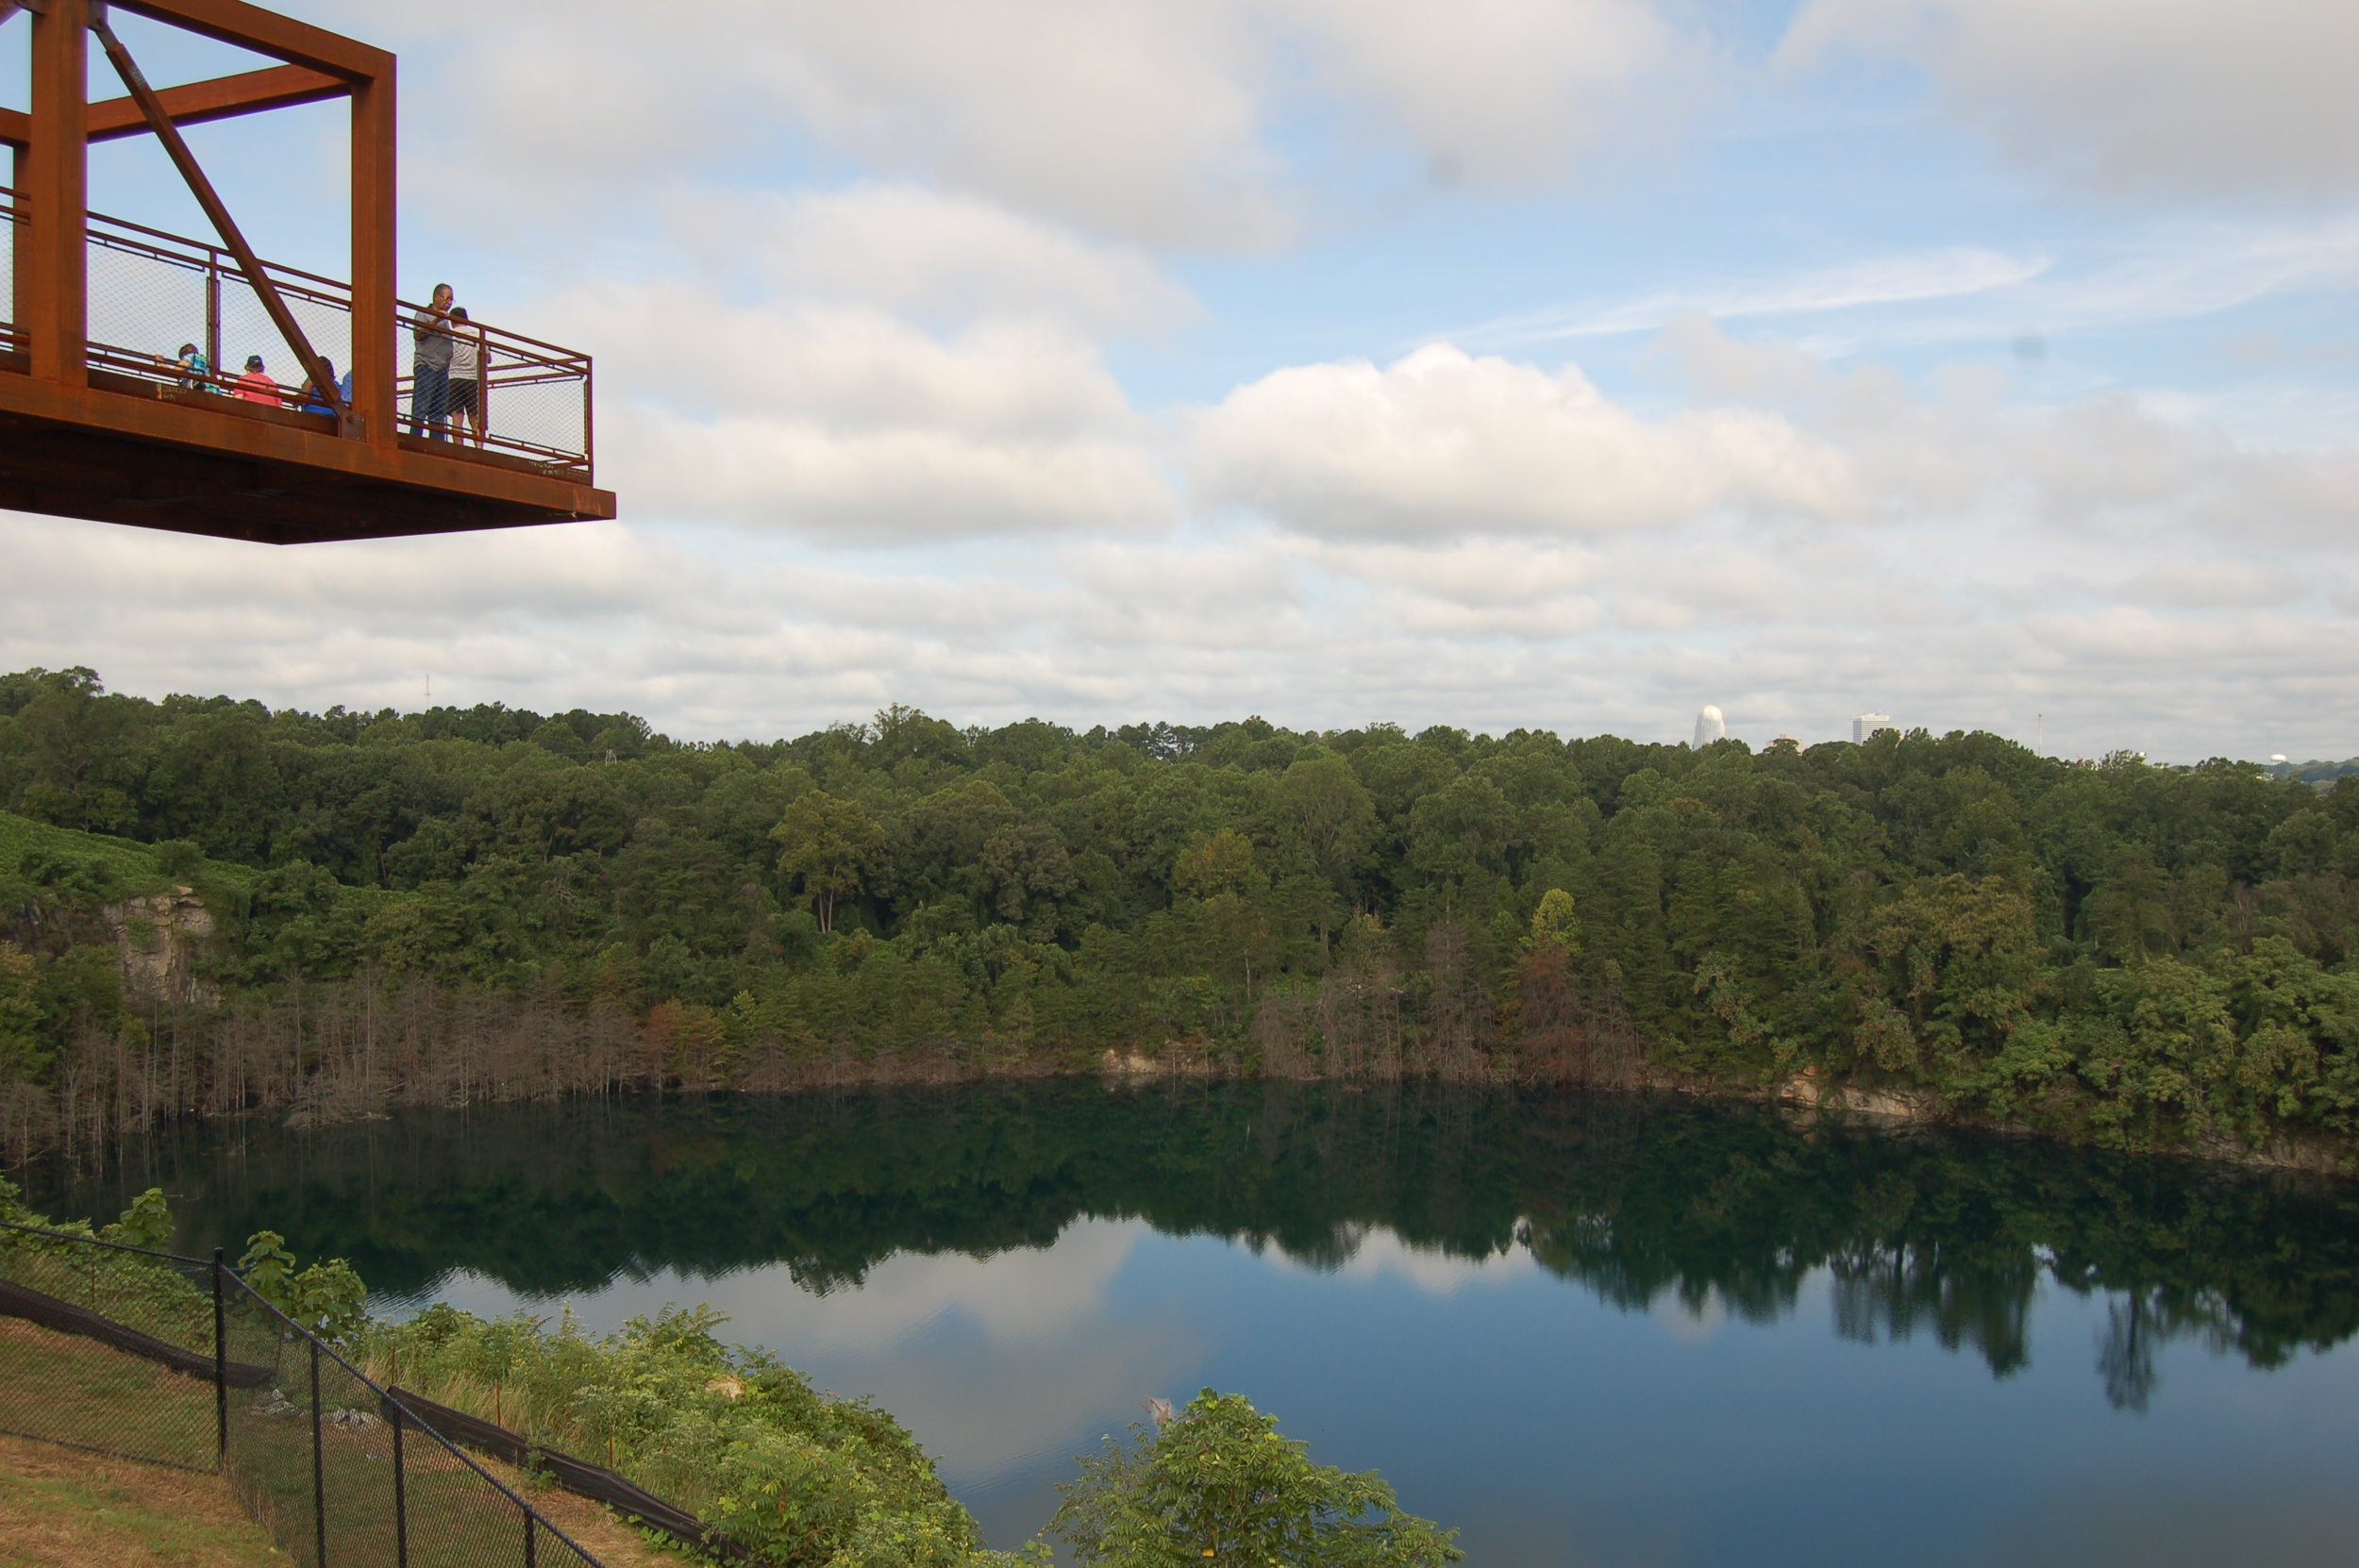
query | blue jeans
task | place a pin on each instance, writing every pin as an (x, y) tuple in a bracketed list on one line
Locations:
[(429, 400)]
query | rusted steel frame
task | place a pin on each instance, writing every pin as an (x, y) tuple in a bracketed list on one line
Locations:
[(202, 189), (375, 319), (267, 33), (52, 270), (222, 98), (320, 456)]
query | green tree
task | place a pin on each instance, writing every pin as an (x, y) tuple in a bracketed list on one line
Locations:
[(22, 1053), (1216, 1481), (828, 844), (1555, 926)]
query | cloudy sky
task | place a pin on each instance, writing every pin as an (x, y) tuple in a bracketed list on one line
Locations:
[(1553, 363)]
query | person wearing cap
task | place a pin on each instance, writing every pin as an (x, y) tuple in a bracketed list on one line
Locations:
[(256, 386)]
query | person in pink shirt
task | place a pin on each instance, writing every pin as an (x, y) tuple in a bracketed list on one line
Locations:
[(255, 386)]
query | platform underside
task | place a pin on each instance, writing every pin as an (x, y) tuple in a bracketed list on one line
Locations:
[(113, 458)]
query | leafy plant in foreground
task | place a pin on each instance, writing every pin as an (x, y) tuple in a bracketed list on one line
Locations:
[(1216, 1481)]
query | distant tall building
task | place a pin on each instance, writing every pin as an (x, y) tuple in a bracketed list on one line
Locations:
[(1710, 727), (1868, 724)]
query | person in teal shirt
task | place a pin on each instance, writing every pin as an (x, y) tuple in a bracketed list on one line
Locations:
[(197, 372)]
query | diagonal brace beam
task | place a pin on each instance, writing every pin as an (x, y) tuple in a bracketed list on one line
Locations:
[(222, 98), (273, 304)]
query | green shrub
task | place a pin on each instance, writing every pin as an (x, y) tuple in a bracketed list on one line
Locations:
[(1216, 1481), (796, 1476)]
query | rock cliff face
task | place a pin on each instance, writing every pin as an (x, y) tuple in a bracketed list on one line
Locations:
[(160, 936)]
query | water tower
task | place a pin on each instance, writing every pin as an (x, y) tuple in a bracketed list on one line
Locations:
[(1710, 727)]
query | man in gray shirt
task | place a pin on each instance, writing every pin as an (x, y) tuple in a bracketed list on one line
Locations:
[(429, 367)]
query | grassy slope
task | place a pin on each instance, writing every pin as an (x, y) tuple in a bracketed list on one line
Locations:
[(60, 1509), (63, 1506), (134, 863)]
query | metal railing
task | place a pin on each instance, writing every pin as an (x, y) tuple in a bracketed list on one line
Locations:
[(172, 1361), (150, 293)]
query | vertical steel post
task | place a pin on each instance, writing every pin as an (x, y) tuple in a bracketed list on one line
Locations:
[(221, 1370), (528, 1536), (213, 313), (401, 1491), (374, 412), (318, 1472), (53, 261), (19, 246)]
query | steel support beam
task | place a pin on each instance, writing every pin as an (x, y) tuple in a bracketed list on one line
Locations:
[(375, 318), (54, 293), (193, 104), (267, 33)]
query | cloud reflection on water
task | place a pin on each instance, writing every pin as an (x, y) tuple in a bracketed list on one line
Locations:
[(995, 1362)]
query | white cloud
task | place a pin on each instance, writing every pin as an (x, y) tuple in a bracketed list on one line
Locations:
[(903, 248), (1500, 91), (1449, 538), (852, 425), (2131, 97), (1165, 122), (1441, 442), (1911, 278), (884, 487)]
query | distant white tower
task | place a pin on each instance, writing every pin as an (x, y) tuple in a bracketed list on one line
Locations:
[(1710, 727), (1868, 724)]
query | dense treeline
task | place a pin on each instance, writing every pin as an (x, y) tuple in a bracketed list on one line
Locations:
[(2115, 951)]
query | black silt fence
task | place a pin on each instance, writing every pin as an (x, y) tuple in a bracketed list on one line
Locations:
[(172, 1361)]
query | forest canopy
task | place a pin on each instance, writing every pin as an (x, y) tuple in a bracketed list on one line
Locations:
[(2115, 950)]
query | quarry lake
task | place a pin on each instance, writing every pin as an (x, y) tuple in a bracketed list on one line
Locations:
[(1596, 1330)]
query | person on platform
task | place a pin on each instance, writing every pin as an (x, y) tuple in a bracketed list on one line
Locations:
[(256, 386), (466, 377), (314, 403), (429, 367), (197, 372)]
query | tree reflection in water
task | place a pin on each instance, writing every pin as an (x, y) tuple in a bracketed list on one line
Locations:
[(1639, 1199)]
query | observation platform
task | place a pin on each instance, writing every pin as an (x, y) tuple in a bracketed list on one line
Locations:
[(99, 417)]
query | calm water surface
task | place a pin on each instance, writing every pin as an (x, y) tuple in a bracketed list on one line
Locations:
[(1587, 1330)]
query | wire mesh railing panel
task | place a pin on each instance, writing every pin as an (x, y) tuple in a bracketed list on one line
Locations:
[(63, 1383), (246, 330), (535, 405), (499, 391), (10, 339), (144, 303)]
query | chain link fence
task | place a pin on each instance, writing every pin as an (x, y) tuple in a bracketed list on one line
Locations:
[(120, 1350)]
